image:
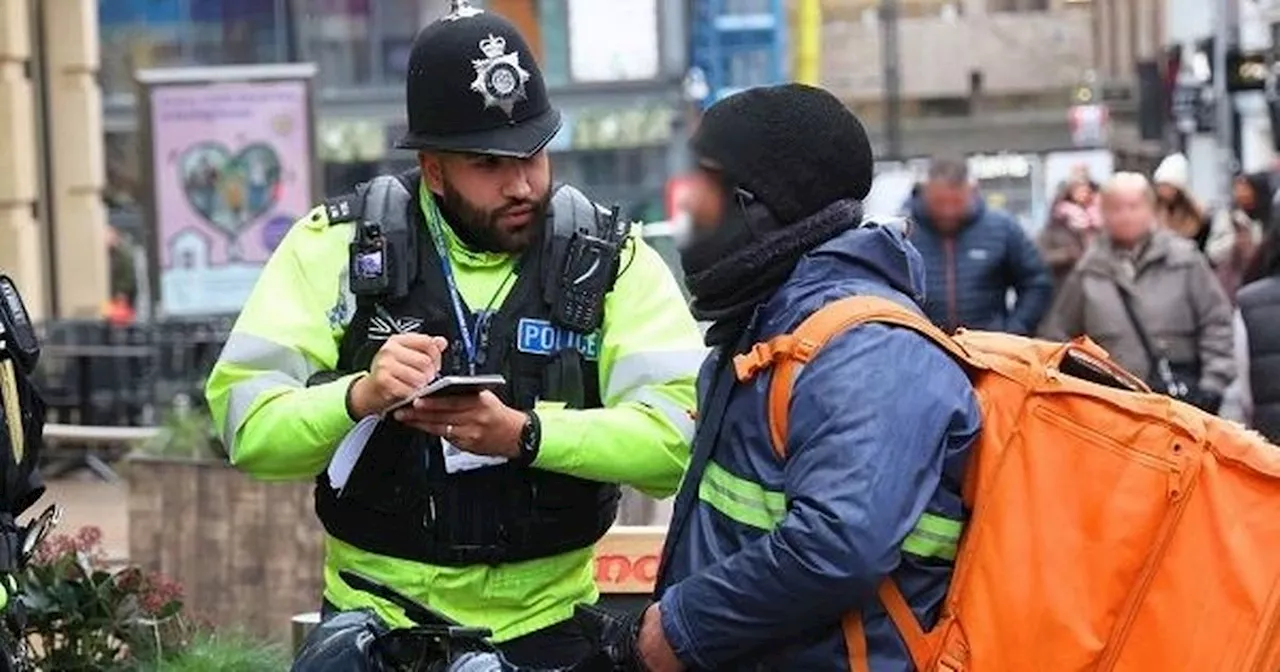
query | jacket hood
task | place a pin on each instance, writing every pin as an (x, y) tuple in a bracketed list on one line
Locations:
[(874, 258), (920, 214)]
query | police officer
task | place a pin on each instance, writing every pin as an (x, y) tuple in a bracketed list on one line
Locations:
[(486, 505)]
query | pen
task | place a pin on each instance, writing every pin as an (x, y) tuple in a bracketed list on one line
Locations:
[(392, 325)]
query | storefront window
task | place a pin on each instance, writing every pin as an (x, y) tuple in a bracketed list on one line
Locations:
[(124, 189), (138, 34), (553, 19), (362, 42), (602, 55), (337, 38), (1009, 182), (397, 23)]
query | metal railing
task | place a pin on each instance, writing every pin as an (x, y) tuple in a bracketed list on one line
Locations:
[(94, 373)]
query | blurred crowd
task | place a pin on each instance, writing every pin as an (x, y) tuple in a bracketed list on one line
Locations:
[(1184, 297)]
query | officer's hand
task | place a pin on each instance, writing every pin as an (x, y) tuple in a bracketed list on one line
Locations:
[(403, 364), (477, 423)]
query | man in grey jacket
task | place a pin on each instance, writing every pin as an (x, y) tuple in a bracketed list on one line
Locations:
[(1175, 331)]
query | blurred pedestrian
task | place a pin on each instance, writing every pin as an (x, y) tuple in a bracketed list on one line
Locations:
[(123, 274), (974, 256), (1150, 299), (122, 284), (1254, 398), (1073, 222), (1234, 238), (1176, 209)]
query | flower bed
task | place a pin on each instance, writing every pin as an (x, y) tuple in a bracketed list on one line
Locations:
[(81, 615)]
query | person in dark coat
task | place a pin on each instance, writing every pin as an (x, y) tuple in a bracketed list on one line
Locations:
[(1234, 237), (974, 256), (1254, 397), (765, 559)]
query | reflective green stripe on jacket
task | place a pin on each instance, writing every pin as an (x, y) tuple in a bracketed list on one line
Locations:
[(751, 504)]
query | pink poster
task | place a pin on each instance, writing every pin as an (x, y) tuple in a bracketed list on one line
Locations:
[(232, 166)]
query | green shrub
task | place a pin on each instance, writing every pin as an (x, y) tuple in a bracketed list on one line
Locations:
[(186, 431), (209, 652), (82, 616)]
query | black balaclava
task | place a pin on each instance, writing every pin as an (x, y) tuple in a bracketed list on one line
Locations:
[(796, 165)]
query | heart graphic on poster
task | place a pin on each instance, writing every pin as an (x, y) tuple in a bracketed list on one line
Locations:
[(228, 190)]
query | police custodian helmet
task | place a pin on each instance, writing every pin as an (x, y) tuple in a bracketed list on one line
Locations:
[(473, 86)]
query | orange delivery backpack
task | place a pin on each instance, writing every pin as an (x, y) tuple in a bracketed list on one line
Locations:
[(1110, 528)]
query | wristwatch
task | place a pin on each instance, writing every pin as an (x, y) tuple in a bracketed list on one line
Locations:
[(530, 439)]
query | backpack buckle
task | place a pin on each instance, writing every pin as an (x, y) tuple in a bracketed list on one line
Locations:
[(764, 355)]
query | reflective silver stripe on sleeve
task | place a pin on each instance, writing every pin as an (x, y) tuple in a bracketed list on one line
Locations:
[(241, 397), (260, 354), (677, 416), (653, 367)]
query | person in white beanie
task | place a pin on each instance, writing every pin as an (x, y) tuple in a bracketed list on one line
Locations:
[(1176, 209)]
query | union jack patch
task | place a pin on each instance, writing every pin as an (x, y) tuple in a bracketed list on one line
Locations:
[(380, 329)]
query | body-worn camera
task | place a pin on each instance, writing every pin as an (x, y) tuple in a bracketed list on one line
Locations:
[(379, 261), (17, 334), (383, 262)]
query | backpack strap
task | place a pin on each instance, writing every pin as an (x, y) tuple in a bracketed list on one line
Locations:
[(788, 353)]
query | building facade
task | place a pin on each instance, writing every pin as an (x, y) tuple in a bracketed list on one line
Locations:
[(53, 238), (618, 86), (1131, 56), (991, 80)]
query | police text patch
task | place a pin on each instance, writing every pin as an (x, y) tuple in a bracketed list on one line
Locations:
[(540, 337)]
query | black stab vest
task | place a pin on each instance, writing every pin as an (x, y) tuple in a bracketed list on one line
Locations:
[(400, 501)]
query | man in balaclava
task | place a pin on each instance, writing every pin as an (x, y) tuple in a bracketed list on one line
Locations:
[(763, 564)]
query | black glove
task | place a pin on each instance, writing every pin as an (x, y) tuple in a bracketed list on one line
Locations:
[(615, 635)]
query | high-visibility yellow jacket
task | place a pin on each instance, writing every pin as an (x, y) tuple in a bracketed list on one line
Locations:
[(275, 427)]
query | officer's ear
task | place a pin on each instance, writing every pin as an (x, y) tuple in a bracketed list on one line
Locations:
[(432, 165)]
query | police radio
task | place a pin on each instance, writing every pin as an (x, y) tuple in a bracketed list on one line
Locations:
[(588, 262)]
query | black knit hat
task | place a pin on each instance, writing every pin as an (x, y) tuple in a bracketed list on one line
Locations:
[(795, 147)]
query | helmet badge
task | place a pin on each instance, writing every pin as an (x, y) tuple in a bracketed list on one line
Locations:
[(462, 9), (499, 78)]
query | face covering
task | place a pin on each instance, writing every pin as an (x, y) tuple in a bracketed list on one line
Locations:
[(736, 267)]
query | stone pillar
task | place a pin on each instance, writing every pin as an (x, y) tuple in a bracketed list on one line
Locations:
[(21, 253), (76, 154)]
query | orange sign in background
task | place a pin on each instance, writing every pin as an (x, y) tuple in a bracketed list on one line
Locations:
[(627, 559)]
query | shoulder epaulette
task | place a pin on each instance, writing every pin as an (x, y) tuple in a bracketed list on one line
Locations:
[(344, 208)]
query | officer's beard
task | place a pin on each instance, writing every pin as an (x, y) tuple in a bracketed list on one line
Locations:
[(482, 230)]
